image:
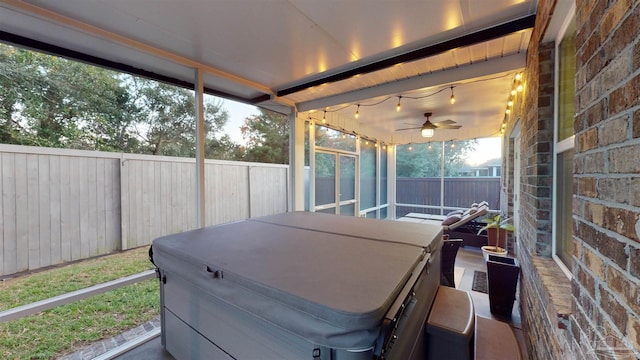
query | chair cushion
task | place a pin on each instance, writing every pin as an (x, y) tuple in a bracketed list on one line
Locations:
[(452, 219), (454, 212)]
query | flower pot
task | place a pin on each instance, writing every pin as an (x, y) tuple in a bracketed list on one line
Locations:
[(491, 250), (502, 278)]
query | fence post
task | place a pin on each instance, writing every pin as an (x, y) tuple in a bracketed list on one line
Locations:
[(249, 190), (124, 206)]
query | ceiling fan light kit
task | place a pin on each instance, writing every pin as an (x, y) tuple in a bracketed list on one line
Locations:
[(427, 133)]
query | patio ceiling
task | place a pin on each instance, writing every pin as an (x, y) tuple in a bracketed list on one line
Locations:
[(314, 55)]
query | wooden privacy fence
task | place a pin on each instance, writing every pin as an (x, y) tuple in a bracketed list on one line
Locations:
[(61, 205), (459, 192)]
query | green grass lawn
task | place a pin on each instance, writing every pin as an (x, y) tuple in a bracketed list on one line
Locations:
[(66, 328)]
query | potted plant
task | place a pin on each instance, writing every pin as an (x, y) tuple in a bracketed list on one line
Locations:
[(502, 271), (496, 231), (502, 281)]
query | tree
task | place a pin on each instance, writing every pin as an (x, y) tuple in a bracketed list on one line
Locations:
[(222, 148), (51, 101), (424, 160), (54, 102), (267, 137), (166, 124)]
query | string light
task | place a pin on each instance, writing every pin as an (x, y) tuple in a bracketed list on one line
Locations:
[(452, 98), (510, 103), (518, 81), (410, 147), (508, 111), (453, 145), (513, 92), (324, 117), (344, 132)]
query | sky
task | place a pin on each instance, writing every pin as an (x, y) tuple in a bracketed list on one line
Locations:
[(487, 149), (237, 113)]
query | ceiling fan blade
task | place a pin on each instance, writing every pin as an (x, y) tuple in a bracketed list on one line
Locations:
[(449, 126), (411, 128), (445, 122)]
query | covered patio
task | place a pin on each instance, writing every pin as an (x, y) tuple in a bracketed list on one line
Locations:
[(386, 72)]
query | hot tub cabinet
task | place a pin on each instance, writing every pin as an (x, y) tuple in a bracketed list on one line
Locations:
[(298, 286)]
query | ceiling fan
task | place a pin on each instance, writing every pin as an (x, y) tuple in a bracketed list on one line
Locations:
[(427, 129)]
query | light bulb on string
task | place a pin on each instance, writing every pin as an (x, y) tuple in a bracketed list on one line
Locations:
[(518, 76), (324, 117), (513, 92), (510, 103), (398, 105), (358, 111), (519, 88), (452, 99)]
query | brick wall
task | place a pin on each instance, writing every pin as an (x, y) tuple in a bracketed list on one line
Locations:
[(545, 324), (598, 311), (607, 167), (507, 188)]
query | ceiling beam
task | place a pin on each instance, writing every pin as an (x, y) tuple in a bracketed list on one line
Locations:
[(420, 53), (504, 64)]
